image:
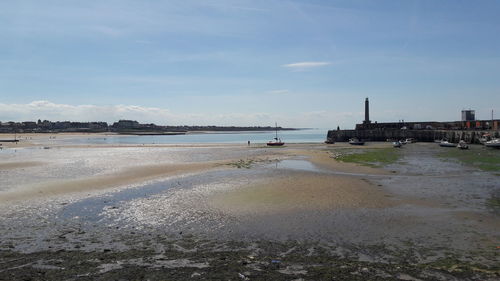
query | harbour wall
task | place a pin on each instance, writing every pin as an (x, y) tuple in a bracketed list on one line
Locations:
[(382, 134)]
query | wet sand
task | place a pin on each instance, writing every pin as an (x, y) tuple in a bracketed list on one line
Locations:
[(300, 192), (237, 212), (34, 139), (17, 165), (128, 176)]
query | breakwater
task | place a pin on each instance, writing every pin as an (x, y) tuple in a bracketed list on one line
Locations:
[(382, 134)]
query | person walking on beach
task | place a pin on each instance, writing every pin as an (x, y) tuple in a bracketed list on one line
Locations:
[(248, 143)]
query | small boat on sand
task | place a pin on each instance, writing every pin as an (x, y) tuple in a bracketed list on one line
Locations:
[(356, 141), (462, 145), (495, 143), (446, 144), (276, 141)]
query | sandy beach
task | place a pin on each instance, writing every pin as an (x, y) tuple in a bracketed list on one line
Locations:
[(213, 211)]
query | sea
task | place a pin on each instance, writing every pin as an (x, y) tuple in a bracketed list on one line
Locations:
[(295, 136)]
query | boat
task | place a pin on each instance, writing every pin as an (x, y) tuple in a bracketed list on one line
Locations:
[(495, 143), (462, 145), (446, 144), (485, 138), (396, 144), (356, 141), (276, 141), (14, 140), (410, 140)]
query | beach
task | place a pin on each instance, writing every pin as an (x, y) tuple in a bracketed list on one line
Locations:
[(86, 211)]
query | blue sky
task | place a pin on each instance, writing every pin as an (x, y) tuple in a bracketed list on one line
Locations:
[(221, 62)]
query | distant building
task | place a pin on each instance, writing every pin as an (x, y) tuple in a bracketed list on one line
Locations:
[(468, 115), (126, 124), (29, 125)]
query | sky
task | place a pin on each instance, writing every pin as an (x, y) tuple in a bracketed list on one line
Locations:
[(249, 63)]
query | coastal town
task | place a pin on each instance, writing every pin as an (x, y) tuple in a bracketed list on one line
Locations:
[(121, 126)]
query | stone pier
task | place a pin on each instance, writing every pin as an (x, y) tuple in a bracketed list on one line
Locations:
[(381, 134)]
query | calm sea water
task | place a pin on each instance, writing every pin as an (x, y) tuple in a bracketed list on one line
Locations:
[(299, 136)]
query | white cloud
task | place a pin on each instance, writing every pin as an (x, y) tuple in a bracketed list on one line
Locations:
[(306, 65), (58, 112), (47, 110), (62, 112)]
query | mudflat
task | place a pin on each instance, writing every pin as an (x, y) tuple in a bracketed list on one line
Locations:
[(243, 212)]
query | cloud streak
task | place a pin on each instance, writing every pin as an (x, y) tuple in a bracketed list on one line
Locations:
[(58, 112), (306, 65), (111, 113), (278, 92)]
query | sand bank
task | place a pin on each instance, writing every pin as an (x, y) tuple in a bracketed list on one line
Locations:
[(18, 165), (136, 172), (301, 191), (31, 139), (127, 176)]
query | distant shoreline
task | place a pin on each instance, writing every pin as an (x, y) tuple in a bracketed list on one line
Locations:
[(154, 133), (146, 130)]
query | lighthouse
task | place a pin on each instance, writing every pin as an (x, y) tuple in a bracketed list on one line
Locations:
[(367, 112)]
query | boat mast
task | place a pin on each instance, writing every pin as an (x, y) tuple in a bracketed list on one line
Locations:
[(276, 125)]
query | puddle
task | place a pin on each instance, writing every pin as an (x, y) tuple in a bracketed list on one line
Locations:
[(303, 165), (91, 209)]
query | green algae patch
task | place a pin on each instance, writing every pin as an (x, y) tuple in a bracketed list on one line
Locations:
[(480, 157), (249, 163), (462, 268), (242, 164), (494, 204), (371, 157)]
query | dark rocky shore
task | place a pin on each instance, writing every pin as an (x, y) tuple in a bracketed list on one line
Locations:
[(188, 258)]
